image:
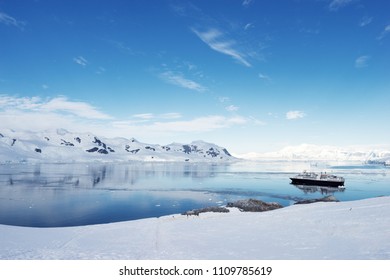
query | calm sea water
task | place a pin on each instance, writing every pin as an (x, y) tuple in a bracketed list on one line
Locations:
[(52, 195)]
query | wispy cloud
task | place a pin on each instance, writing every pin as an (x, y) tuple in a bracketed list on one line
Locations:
[(246, 3), (81, 61), (265, 77), (171, 116), (81, 109), (362, 61), (365, 21), (231, 108), (177, 79), (223, 99), (337, 4), (201, 124), (60, 105), (121, 46), (256, 121), (100, 70), (145, 116), (216, 40), (11, 21), (195, 125), (384, 32), (293, 115), (151, 116), (248, 25)]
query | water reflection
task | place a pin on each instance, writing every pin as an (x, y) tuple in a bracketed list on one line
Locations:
[(76, 194), (307, 189), (79, 194)]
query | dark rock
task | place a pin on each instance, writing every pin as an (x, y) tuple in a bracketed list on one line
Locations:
[(100, 143), (38, 150), (150, 148), (186, 149), (215, 209), (103, 151), (77, 139), (93, 150), (13, 142), (226, 152), (254, 205), (66, 143), (134, 151), (212, 152), (47, 138), (329, 198), (111, 150)]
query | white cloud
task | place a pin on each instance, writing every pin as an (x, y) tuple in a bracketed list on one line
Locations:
[(8, 20), (362, 61), (81, 61), (365, 21), (384, 32), (171, 116), (337, 4), (177, 79), (151, 116), (223, 99), (231, 108), (264, 77), (23, 103), (293, 115), (257, 121), (248, 25), (216, 41), (145, 116), (246, 3), (80, 109), (196, 125), (60, 105), (201, 124), (36, 114)]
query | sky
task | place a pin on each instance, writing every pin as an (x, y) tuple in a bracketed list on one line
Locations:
[(249, 75)]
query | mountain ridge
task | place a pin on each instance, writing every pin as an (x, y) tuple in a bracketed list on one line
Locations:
[(60, 145)]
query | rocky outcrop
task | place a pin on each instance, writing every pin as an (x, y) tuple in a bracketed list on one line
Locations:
[(329, 198), (216, 209), (254, 205)]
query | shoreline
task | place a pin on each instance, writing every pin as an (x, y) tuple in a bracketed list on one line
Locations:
[(344, 230)]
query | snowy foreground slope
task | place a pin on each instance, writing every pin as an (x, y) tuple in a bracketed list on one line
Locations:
[(326, 230), (63, 146)]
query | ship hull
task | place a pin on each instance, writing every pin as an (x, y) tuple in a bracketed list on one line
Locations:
[(313, 182)]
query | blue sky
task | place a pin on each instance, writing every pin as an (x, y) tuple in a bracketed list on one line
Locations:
[(250, 75)]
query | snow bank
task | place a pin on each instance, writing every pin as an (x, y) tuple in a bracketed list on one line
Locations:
[(325, 230)]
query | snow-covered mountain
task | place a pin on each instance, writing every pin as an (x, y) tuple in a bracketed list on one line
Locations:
[(325, 153), (63, 146)]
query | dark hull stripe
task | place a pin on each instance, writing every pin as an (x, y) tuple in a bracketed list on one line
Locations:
[(316, 182)]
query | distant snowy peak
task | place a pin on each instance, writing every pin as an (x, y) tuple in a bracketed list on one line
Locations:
[(328, 153), (63, 146)]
